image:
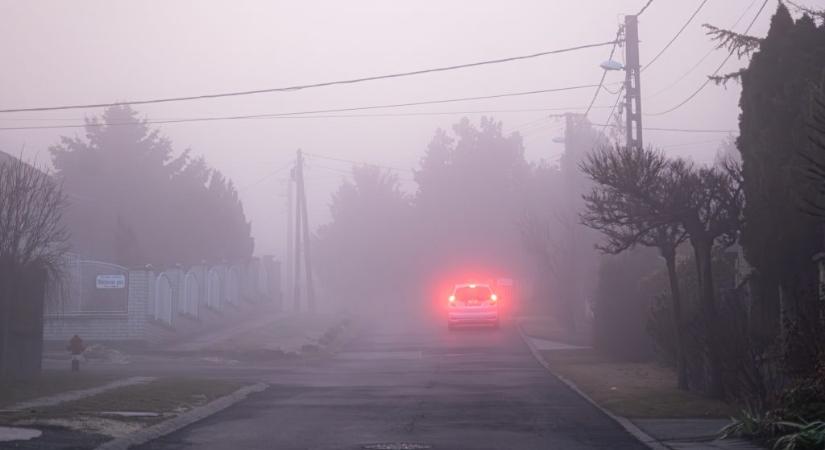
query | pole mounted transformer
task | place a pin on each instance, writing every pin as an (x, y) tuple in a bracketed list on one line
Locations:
[(632, 88)]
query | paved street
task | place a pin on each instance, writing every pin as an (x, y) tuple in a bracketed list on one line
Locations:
[(470, 389)]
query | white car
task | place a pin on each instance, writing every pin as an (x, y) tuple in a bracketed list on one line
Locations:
[(472, 304)]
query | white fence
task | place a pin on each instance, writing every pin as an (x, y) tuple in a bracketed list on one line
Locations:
[(110, 302)]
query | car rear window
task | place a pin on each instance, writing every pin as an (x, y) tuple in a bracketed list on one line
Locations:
[(473, 293)]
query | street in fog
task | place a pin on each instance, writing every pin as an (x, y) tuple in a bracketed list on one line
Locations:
[(477, 388), (474, 224)]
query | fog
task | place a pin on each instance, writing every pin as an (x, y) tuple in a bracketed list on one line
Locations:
[(372, 224), (86, 52)]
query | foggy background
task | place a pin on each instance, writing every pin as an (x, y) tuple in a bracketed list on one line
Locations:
[(96, 51)]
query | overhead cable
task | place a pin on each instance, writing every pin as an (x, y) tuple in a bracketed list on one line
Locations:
[(311, 85), (715, 72), (298, 114)]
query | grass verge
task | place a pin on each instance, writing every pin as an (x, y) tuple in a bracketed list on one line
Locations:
[(164, 398), (633, 390), (548, 328), (50, 382)]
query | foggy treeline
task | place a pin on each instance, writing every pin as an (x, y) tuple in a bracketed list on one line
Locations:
[(134, 200), (480, 211)]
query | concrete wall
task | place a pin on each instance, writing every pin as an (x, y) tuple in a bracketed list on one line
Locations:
[(158, 298)]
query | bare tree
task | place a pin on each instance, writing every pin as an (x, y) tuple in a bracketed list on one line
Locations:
[(708, 204), (32, 239), (627, 221)]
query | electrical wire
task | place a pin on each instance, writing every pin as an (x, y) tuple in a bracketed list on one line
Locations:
[(676, 36), (706, 56), (266, 177), (715, 72), (351, 161), (303, 113), (613, 109), (313, 85), (641, 11), (680, 130), (604, 73), (688, 144)]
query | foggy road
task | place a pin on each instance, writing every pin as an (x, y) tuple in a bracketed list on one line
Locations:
[(469, 389)]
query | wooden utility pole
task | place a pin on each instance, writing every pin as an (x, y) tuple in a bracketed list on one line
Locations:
[(290, 238), (632, 88), (307, 251), (302, 240), (298, 176)]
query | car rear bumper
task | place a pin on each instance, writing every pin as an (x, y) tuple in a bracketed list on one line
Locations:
[(480, 317)]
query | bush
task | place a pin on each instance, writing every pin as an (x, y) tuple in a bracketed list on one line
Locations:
[(621, 309), (809, 436), (748, 370), (805, 398), (758, 426)]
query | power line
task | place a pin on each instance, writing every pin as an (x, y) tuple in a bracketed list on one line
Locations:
[(351, 161), (676, 36), (266, 177), (471, 112), (715, 72), (644, 8), (701, 60), (604, 73), (303, 113), (688, 144), (313, 85), (613, 109), (679, 130)]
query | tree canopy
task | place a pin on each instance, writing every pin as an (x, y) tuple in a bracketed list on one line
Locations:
[(134, 201)]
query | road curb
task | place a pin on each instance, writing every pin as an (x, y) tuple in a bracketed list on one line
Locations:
[(183, 420), (625, 423)]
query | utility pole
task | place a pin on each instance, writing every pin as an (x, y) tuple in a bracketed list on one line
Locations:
[(301, 237), (298, 175), (290, 236), (310, 287), (632, 87)]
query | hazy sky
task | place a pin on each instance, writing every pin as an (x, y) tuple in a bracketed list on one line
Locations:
[(60, 52)]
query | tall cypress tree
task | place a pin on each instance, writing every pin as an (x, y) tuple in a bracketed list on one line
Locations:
[(779, 239)]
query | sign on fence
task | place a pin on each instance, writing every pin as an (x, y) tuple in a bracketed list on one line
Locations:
[(110, 281)]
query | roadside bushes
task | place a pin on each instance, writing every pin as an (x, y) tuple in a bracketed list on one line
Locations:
[(748, 363), (620, 307)]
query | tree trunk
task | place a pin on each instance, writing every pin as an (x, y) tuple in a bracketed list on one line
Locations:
[(707, 294), (678, 335)]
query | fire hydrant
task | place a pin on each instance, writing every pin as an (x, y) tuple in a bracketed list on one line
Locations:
[(76, 348)]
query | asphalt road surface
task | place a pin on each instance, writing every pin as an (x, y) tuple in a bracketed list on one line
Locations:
[(467, 389)]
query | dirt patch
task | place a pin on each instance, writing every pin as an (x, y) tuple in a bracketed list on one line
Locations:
[(634, 390)]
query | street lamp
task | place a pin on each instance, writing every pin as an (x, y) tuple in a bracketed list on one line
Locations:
[(611, 65)]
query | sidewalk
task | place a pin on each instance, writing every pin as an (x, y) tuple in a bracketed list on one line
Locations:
[(691, 433), (634, 405), (208, 340)]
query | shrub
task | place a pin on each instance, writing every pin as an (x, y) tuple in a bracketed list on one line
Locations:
[(621, 308), (808, 436), (756, 425)]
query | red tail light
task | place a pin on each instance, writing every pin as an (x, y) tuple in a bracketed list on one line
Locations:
[(493, 298)]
